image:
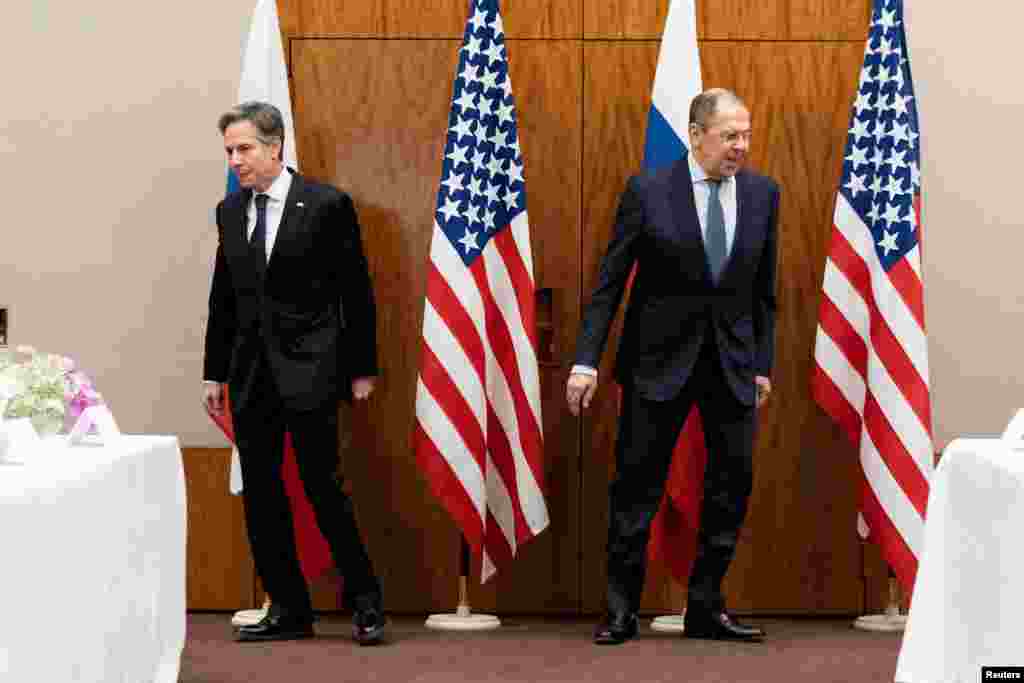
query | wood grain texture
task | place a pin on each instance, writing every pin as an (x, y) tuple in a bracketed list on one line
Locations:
[(616, 98), (773, 20), (798, 551), (415, 19), (378, 133), (816, 20), (219, 570), (611, 19), (370, 119), (802, 515)]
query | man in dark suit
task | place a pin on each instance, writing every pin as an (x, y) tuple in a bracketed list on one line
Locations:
[(698, 330), (291, 331)]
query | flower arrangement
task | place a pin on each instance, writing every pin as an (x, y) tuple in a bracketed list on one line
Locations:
[(47, 388)]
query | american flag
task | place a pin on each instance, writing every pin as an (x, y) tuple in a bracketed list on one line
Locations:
[(871, 351), (479, 434)]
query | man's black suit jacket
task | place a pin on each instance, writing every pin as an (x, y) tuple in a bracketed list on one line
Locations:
[(311, 317), (674, 303)]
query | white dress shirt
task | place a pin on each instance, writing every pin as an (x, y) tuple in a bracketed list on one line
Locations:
[(277, 193), (726, 195), (701, 195)]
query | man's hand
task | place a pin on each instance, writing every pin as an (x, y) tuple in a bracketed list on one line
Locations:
[(362, 387), (764, 389), (213, 398), (579, 391)]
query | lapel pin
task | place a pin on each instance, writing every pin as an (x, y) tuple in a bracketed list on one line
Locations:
[(300, 205)]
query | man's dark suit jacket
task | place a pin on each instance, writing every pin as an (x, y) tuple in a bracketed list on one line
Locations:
[(674, 303), (312, 317)]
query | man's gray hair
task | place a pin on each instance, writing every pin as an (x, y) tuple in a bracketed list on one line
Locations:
[(264, 116), (705, 105)]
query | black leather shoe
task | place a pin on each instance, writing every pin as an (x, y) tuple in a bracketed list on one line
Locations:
[(719, 626), (368, 626), (615, 629), (273, 627)]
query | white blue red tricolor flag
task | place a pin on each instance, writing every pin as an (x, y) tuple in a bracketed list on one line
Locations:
[(871, 351), (479, 433), (676, 82)]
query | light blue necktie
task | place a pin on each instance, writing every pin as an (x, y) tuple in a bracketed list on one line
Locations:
[(714, 238)]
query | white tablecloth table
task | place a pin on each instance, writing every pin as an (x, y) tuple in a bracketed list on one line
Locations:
[(969, 597), (92, 566)]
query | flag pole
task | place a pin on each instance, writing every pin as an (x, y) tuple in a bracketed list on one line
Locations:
[(892, 619), (463, 618), (463, 609)]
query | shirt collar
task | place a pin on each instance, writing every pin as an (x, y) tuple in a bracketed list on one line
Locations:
[(699, 175), (278, 190)]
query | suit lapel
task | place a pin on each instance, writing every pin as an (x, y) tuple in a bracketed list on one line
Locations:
[(237, 223), (741, 229), (741, 194), (684, 209), (290, 218)]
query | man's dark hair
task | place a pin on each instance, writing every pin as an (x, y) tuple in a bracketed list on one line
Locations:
[(264, 116)]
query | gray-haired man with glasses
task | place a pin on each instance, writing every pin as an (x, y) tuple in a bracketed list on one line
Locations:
[(698, 331)]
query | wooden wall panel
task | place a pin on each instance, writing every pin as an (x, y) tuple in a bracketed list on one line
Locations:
[(733, 19), (801, 551), (789, 557), (371, 119), (379, 134), (624, 18), (413, 18), (220, 572), (613, 130), (772, 20)]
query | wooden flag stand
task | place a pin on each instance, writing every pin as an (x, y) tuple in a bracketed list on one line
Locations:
[(463, 619), (892, 620)]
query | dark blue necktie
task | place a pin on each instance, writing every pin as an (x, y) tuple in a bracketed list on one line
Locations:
[(258, 241), (714, 238)]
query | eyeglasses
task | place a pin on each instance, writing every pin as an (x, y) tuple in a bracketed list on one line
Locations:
[(732, 137)]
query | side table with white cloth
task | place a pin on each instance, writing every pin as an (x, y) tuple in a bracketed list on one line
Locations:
[(968, 600), (92, 570)]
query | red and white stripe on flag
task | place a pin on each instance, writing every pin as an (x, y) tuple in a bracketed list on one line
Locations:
[(479, 432), (871, 352)]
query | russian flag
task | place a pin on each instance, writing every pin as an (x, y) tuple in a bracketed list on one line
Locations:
[(676, 82)]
